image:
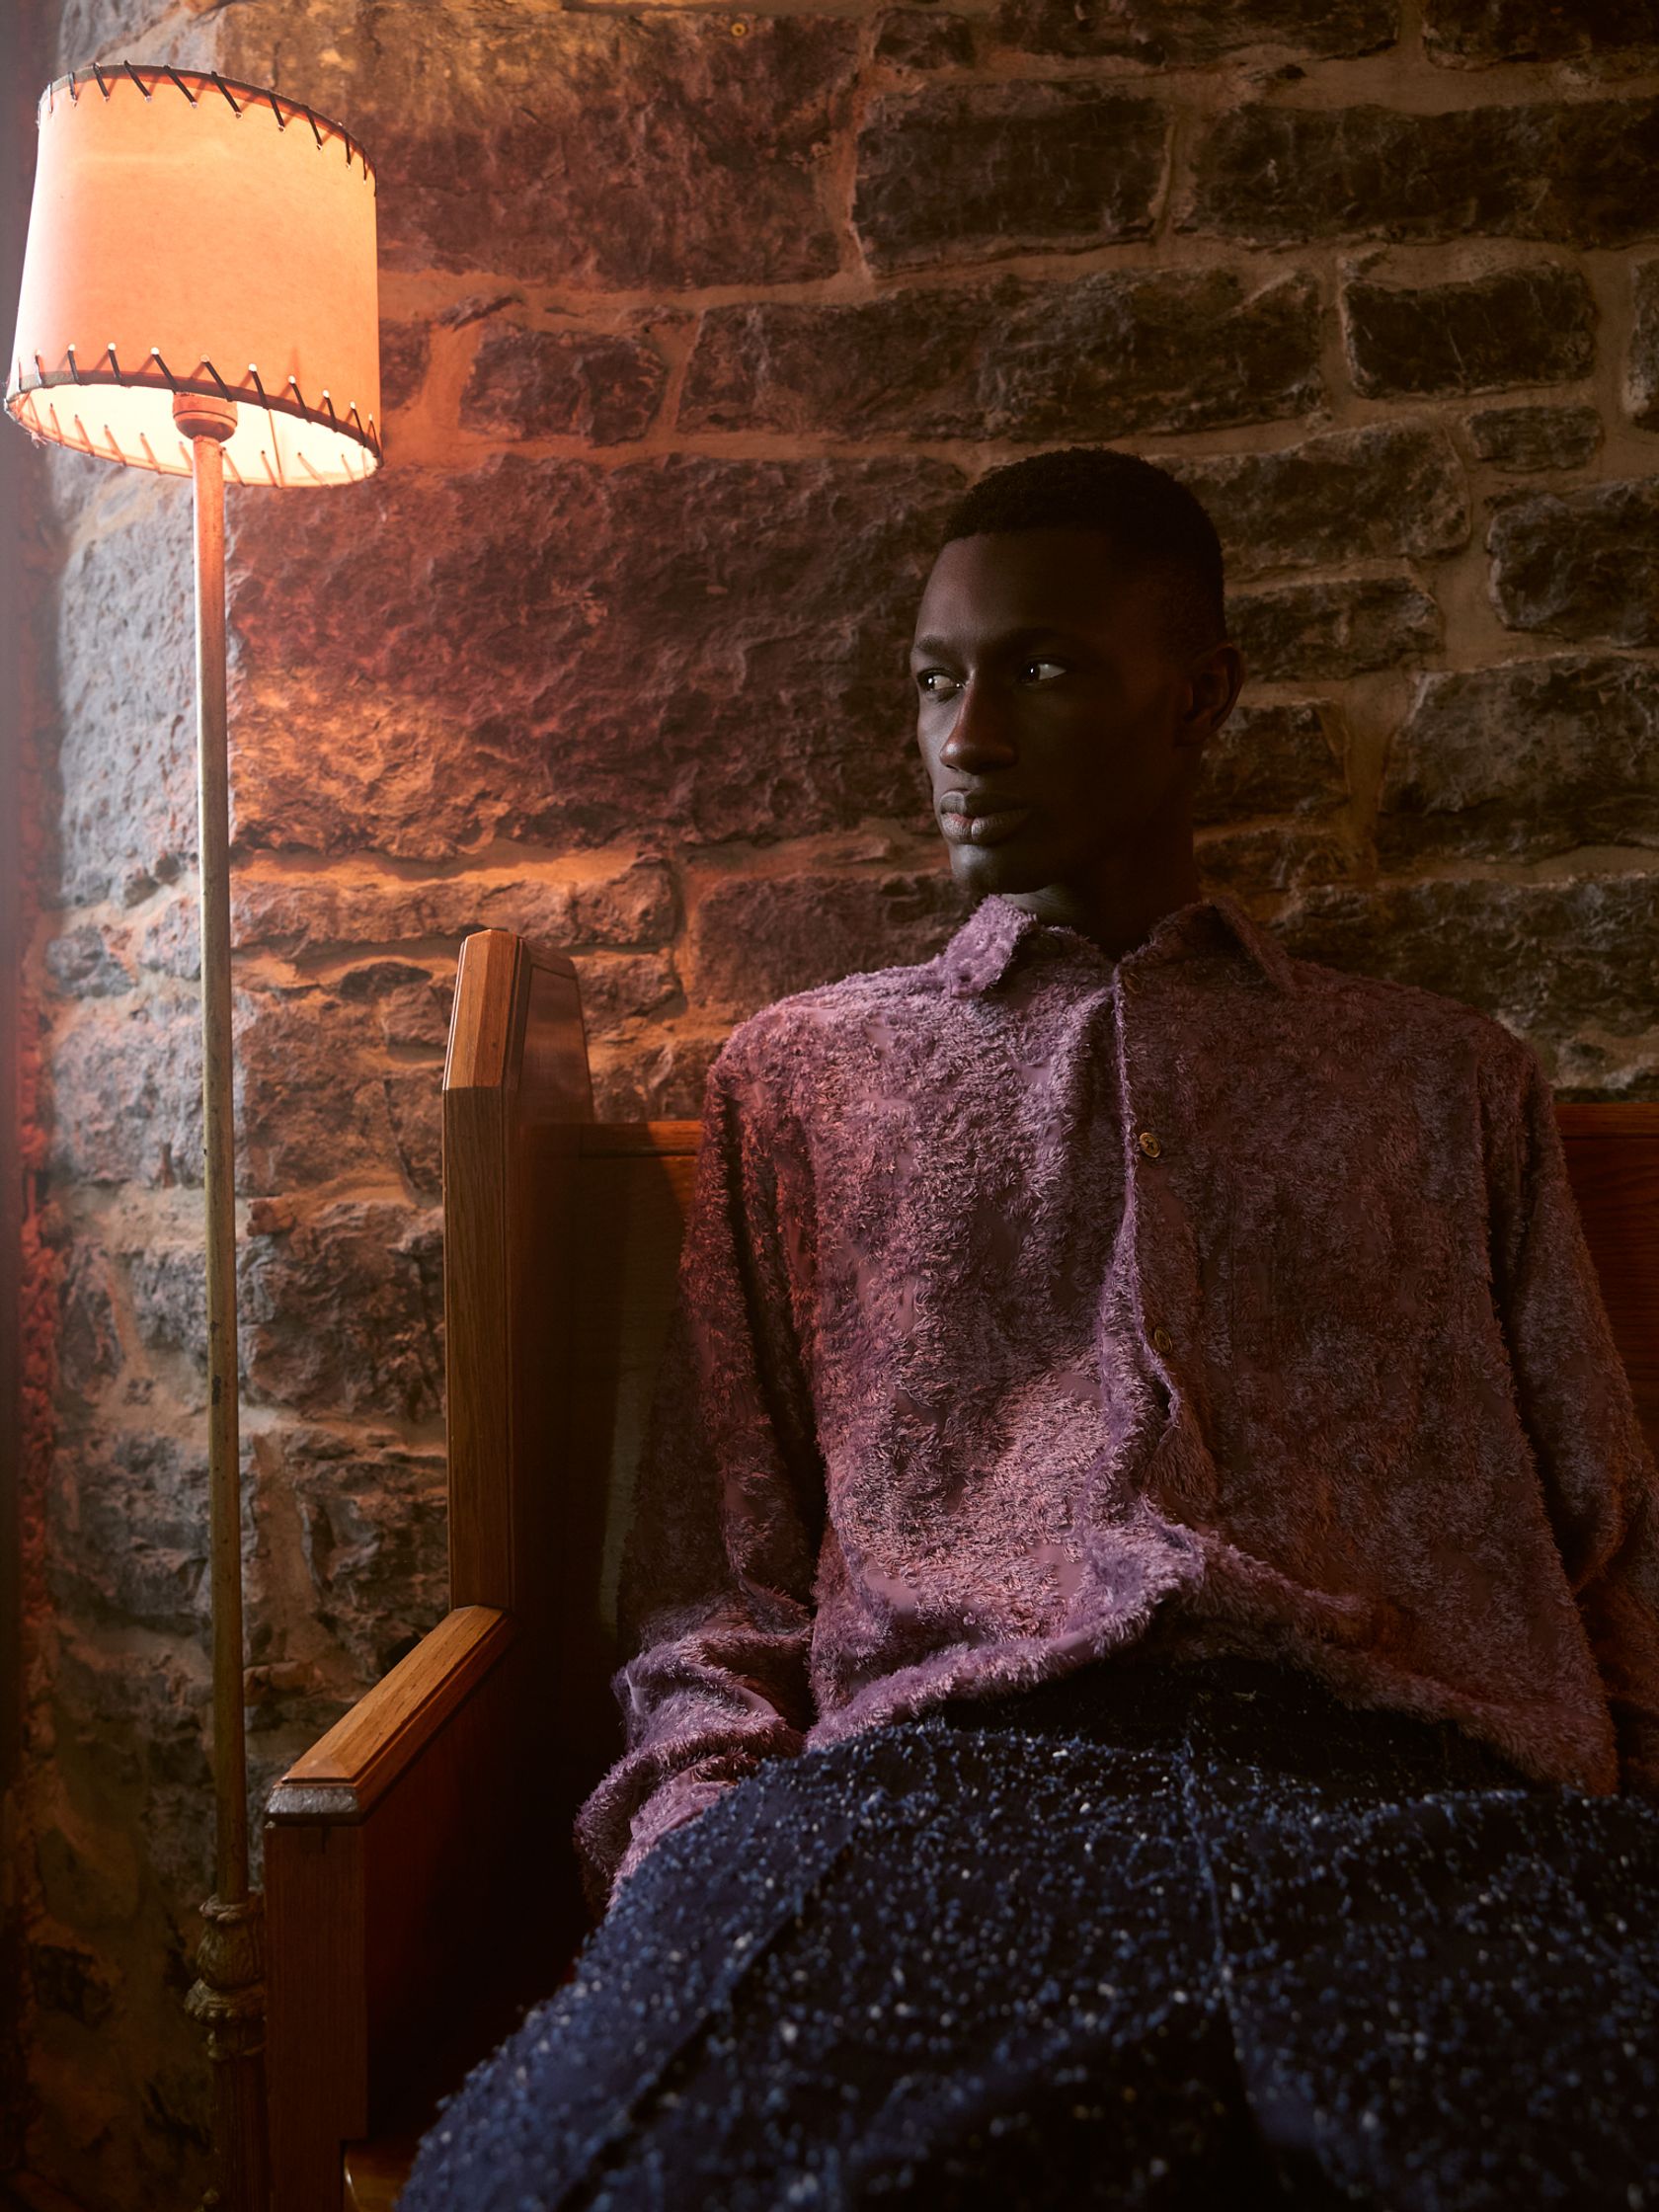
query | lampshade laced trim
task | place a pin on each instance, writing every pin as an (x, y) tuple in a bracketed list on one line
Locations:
[(150, 76), (21, 401)]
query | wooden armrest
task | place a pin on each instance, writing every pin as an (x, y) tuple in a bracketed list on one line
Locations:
[(348, 1770), (405, 1932)]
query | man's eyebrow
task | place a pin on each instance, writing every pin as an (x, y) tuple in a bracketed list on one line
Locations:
[(1028, 633)]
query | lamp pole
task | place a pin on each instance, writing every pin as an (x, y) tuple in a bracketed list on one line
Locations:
[(228, 1995)]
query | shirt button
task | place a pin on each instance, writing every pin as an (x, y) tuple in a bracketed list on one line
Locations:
[(1149, 1145), (1162, 1339)]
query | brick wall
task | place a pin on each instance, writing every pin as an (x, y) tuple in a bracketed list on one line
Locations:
[(694, 322)]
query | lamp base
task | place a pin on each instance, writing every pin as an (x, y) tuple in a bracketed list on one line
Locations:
[(228, 1999)]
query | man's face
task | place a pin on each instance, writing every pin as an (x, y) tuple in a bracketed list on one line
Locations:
[(1042, 679)]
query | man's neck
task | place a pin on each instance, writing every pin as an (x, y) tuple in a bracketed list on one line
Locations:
[(1117, 915)]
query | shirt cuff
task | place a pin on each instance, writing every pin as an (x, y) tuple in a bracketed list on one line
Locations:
[(674, 1805)]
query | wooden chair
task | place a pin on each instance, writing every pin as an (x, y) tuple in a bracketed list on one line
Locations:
[(420, 1878)]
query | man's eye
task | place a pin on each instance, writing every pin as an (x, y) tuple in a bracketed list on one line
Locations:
[(934, 683), (1042, 671)]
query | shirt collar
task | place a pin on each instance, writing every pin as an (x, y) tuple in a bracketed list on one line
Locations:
[(998, 932)]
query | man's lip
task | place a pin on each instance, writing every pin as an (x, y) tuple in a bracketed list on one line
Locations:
[(993, 827), (954, 802)]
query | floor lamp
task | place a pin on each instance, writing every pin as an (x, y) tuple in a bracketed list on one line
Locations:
[(199, 298)]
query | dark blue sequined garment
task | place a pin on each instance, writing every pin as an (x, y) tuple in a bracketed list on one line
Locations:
[(1180, 1935)]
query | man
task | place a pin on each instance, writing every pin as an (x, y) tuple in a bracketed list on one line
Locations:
[(1143, 1591)]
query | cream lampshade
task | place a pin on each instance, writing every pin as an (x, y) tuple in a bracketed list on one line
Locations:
[(199, 296), (193, 234)]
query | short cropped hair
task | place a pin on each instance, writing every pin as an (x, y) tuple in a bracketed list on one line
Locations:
[(1149, 517)]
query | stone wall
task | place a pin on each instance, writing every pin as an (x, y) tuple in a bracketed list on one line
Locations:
[(693, 322)]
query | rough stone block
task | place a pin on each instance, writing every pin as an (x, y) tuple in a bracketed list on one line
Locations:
[(315, 912), (1271, 759), (560, 148), (1275, 857), (967, 173), (165, 1290), (1107, 354), (758, 938), (106, 958), (89, 1334), (916, 39), (1388, 488), (86, 28), (1579, 563), (1517, 326), (126, 1094), (339, 1308), (310, 1091), (1462, 33), (1328, 630), (88, 1342), (706, 649), (1641, 367), (84, 962), (1173, 33), (1524, 438), (562, 383), (166, 938), (1560, 963), (411, 1004), (64, 486), (92, 1877), (130, 1531), (310, 1100), (414, 1106), (405, 353), (375, 1527), (344, 1312), (661, 1078), (127, 691), (1580, 173), (1523, 760), (64, 1978), (619, 989), (122, 1724)]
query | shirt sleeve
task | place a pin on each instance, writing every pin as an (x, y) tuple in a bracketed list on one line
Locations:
[(715, 1596), (1600, 1480)]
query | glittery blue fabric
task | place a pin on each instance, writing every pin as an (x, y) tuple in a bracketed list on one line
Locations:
[(1149, 1934)]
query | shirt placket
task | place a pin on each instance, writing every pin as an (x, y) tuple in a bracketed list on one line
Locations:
[(1179, 1472)]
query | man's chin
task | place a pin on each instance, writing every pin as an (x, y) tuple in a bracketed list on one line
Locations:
[(1006, 867)]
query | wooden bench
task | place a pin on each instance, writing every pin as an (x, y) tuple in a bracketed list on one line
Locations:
[(421, 1883)]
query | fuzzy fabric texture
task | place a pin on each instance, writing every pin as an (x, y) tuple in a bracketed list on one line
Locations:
[(1034, 1304), (1157, 1935)]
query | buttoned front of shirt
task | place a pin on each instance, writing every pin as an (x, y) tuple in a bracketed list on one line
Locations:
[(1034, 1304)]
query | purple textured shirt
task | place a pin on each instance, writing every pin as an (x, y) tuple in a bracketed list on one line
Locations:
[(1034, 1304)]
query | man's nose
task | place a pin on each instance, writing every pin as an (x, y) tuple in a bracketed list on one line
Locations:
[(980, 724)]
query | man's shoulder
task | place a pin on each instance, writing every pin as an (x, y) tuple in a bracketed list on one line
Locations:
[(808, 1029), (849, 999), (1391, 1009)]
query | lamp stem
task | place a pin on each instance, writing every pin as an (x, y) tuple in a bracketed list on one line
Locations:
[(212, 798), (228, 1997)]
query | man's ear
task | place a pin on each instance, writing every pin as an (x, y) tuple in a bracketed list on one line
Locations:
[(1214, 683)]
